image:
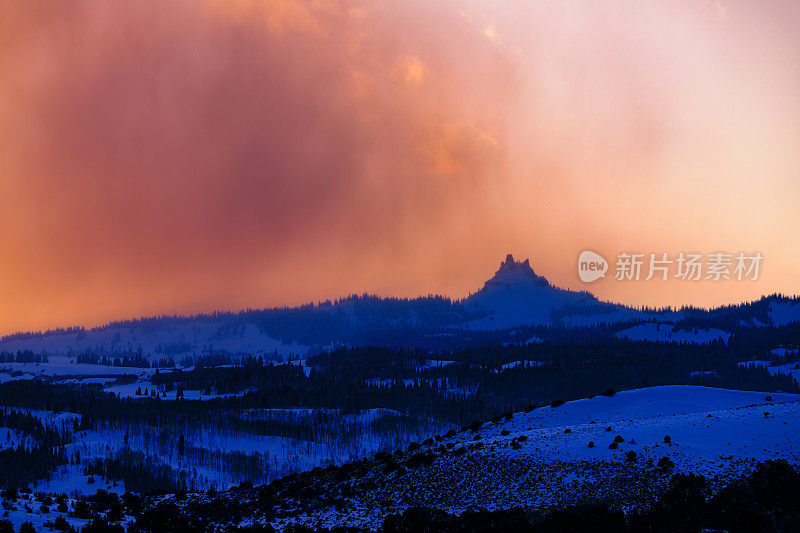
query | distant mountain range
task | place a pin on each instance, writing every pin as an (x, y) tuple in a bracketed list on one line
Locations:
[(514, 304)]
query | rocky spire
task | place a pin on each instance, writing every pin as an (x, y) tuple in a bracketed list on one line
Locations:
[(512, 272)]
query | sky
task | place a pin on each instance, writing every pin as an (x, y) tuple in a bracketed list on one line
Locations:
[(189, 156)]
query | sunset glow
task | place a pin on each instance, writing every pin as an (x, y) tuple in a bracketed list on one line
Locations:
[(189, 156)]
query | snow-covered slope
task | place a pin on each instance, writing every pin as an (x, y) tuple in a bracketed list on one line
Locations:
[(666, 333), (165, 339), (783, 313), (544, 459)]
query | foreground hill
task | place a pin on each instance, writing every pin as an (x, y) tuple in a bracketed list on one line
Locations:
[(619, 449)]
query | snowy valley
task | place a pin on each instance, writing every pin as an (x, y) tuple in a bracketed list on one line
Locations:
[(344, 414)]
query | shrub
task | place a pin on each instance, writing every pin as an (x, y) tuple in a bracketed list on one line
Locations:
[(591, 444), (557, 403), (609, 393), (619, 439), (683, 507), (98, 525), (597, 518), (480, 520), (421, 459), (667, 440), (164, 516), (613, 445), (505, 432), (665, 463), (132, 502), (419, 519), (6, 526), (766, 500), (60, 524), (630, 456), (568, 430), (81, 509)]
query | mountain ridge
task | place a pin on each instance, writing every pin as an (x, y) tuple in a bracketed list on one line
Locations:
[(515, 296)]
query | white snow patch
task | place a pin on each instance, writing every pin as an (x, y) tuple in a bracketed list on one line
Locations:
[(660, 332), (784, 313)]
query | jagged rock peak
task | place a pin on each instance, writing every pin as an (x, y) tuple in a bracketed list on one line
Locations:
[(512, 272)]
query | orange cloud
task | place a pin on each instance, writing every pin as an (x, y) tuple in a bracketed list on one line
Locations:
[(278, 15), (226, 154), (177, 160), (411, 70), (457, 149)]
